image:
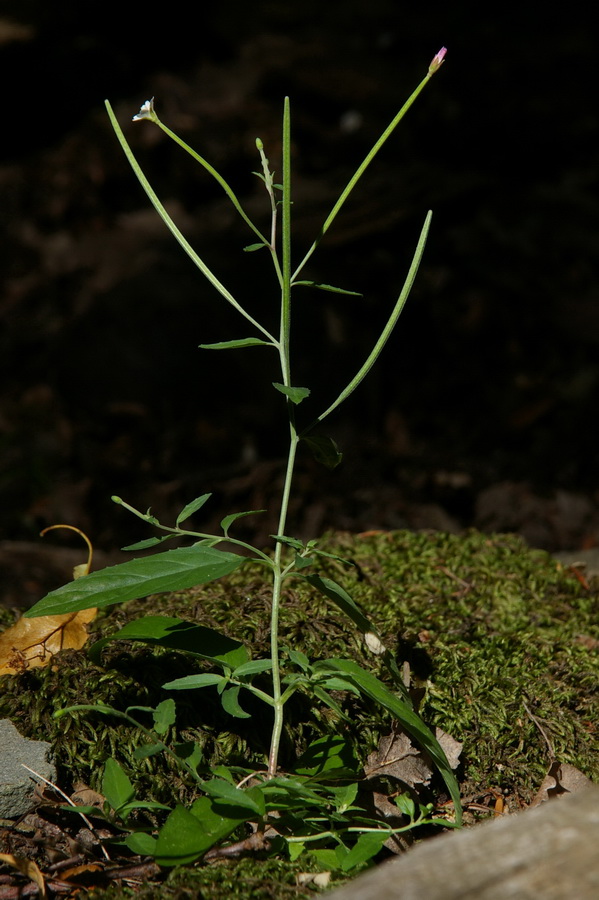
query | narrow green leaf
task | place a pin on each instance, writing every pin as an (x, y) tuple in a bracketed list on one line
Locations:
[(189, 682), (230, 702), (116, 787), (177, 634), (192, 507), (251, 248), (413, 724), (326, 287), (324, 450), (253, 667), (295, 394), (149, 542), (342, 599), (173, 570), (233, 345), (228, 520), (288, 541), (165, 715), (367, 846)]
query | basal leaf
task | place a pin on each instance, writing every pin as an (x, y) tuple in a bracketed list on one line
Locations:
[(367, 846), (173, 570), (185, 836), (116, 787), (225, 793)]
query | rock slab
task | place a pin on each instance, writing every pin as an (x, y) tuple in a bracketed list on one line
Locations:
[(550, 852), (17, 785)]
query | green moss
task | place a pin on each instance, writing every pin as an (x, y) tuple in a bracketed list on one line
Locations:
[(493, 632), (244, 879)]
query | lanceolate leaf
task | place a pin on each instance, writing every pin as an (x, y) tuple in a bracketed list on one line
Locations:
[(192, 507), (177, 634), (174, 570), (342, 599), (326, 287), (233, 345), (413, 724)]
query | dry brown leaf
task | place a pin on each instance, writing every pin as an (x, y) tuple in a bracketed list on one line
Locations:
[(562, 778), (397, 757), (31, 643), (26, 867)]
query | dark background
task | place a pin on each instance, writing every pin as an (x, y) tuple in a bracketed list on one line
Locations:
[(481, 410)]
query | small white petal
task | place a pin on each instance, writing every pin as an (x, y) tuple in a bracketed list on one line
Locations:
[(146, 111), (374, 644)]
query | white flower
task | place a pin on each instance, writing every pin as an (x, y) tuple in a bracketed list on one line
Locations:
[(146, 111)]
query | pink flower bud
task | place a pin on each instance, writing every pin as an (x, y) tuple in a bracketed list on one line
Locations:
[(437, 61)]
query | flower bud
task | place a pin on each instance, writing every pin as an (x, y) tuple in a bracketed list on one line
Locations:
[(437, 61)]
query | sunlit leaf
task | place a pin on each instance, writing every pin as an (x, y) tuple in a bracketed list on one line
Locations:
[(173, 570), (367, 846), (32, 643)]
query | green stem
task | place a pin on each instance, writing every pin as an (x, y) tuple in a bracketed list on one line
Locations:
[(284, 355)]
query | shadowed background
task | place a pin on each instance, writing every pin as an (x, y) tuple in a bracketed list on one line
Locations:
[(481, 409)]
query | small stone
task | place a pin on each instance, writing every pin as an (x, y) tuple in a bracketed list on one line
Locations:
[(17, 785)]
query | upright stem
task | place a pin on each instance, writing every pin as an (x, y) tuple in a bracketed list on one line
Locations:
[(284, 354)]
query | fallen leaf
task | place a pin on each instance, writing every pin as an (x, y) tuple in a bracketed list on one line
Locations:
[(398, 758), (562, 778), (28, 868), (31, 643)]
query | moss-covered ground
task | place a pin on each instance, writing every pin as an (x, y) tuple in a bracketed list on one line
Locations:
[(501, 641)]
